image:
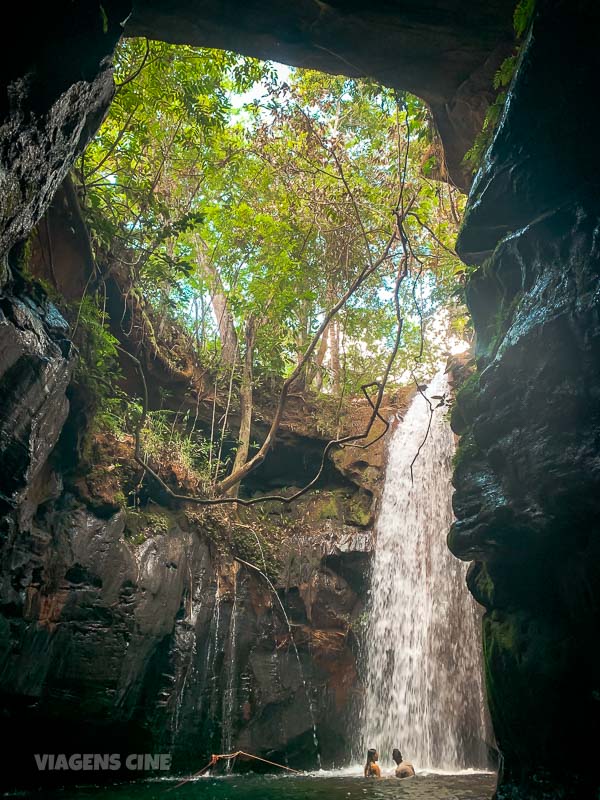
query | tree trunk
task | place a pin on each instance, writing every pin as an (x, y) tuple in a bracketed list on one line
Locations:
[(218, 299), (246, 401), (319, 359), (334, 355), (227, 334)]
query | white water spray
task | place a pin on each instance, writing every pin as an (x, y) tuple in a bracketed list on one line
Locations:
[(229, 693), (424, 691)]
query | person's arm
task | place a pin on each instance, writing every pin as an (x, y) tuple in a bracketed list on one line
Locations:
[(377, 770)]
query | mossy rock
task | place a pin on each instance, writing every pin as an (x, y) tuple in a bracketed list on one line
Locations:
[(141, 525), (328, 507), (481, 584), (360, 511), (467, 450), (465, 407)]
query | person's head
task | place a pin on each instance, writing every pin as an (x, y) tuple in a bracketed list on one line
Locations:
[(372, 755), (397, 755)]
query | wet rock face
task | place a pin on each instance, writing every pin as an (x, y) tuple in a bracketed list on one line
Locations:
[(527, 476), (58, 87), (36, 361), (164, 646), (85, 616)]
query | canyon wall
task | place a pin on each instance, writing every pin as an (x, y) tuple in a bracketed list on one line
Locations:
[(527, 477), (152, 629)]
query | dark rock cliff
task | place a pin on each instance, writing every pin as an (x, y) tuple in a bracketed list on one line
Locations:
[(528, 473), (57, 85), (138, 631), (141, 630), (110, 644)]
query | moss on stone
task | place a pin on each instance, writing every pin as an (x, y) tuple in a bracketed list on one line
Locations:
[(359, 511), (467, 450), (247, 534), (141, 525), (468, 392), (328, 507), (502, 322), (503, 633), (484, 589)]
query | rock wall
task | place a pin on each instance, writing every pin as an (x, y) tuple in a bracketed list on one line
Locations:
[(527, 478), (152, 638), (57, 85), (128, 630)]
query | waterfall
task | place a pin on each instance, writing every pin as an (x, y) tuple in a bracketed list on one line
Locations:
[(230, 691), (185, 647), (424, 690)]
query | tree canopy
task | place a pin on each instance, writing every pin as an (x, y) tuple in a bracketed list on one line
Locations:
[(257, 207)]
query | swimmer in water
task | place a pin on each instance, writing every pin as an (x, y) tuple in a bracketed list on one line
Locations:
[(403, 768), (372, 769)]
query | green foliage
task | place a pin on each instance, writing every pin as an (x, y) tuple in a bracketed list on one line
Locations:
[(522, 17), (232, 198), (97, 369), (474, 156), (276, 204), (140, 525), (505, 73), (168, 444), (142, 172)]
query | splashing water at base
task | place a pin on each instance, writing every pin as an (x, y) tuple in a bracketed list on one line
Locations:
[(319, 786), (424, 691)]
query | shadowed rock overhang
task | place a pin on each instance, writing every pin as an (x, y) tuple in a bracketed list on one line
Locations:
[(58, 78), (445, 51)]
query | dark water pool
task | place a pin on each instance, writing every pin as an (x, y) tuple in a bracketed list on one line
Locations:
[(328, 786)]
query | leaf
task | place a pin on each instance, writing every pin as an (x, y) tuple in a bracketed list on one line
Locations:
[(522, 16), (104, 18)]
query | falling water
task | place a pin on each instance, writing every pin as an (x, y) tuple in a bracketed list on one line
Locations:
[(424, 690), (185, 637), (229, 693)]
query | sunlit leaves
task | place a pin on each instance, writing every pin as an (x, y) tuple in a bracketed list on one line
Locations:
[(282, 202)]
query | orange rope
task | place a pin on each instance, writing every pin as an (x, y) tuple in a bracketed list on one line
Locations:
[(258, 758), (215, 758)]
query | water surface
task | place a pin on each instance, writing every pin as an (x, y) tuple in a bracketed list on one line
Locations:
[(465, 786)]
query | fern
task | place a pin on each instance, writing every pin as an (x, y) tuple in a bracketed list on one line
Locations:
[(523, 16), (521, 20)]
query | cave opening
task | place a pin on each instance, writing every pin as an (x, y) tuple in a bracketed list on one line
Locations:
[(121, 602)]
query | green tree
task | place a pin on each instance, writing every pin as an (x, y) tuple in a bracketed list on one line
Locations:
[(291, 237)]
